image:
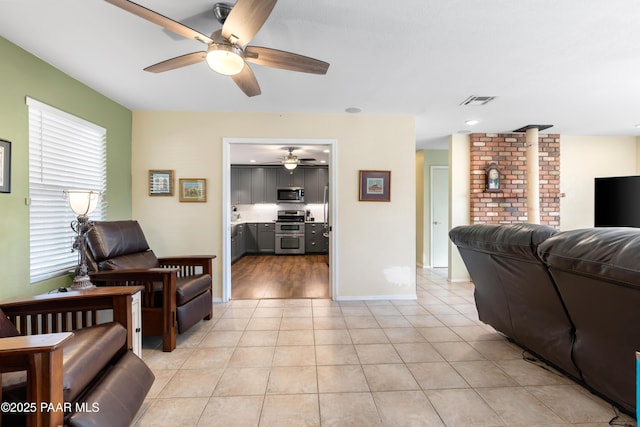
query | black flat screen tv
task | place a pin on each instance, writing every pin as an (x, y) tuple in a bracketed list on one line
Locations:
[(617, 202)]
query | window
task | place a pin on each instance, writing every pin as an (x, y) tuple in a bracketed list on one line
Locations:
[(64, 152)]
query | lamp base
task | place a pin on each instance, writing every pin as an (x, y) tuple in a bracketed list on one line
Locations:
[(82, 282)]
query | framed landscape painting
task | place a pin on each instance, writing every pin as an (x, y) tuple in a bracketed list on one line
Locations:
[(193, 190), (375, 186)]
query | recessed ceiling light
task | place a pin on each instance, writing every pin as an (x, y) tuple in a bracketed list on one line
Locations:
[(252, 161), (472, 122), (638, 125), (353, 110), (323, 161), (326, 151)]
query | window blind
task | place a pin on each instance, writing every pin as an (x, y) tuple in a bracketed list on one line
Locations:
[(65, 152)]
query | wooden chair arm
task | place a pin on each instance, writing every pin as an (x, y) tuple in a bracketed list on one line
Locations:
[(67, 311), (41, 357), (189, 265)]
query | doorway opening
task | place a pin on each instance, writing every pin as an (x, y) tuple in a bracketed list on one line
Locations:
[(269, 273)]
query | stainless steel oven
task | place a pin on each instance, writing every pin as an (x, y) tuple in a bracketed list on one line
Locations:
[(290, 232)]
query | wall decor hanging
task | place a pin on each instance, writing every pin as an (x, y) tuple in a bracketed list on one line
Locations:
[(375, 186), (193, 190), (161, 183), (5, 166)]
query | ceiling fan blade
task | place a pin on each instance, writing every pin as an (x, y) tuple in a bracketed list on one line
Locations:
[(285, 60), (245, 20), (160, 20), (177, 62), (247, 82)]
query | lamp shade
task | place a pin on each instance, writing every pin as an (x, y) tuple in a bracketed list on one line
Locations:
[(82, 202)]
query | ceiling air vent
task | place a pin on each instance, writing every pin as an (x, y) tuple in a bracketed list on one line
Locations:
[(478, 100)]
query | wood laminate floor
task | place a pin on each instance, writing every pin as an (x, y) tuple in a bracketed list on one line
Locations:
[(280, 276)]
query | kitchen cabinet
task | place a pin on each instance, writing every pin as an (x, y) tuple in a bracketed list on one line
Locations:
[(251, 237), (314, 241), (290, 178), (240, 185), (238, 244), (315, 179), (263, 184), (266, 237)]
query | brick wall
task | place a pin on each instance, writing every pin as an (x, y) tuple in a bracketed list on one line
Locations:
[(509, 204)]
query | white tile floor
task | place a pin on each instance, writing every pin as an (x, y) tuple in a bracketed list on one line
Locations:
[(306, 362)]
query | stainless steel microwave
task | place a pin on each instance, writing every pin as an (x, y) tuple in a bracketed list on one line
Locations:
[(290, 195)]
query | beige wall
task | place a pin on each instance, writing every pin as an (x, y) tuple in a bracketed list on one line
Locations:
[(375, 242), (583, 158), (459, 198)]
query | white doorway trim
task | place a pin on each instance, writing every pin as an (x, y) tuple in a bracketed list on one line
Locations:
[(226, 204)]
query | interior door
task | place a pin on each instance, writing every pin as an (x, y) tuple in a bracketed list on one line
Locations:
[(439, 216)]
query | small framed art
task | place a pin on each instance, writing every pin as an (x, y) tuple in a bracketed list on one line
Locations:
[(5, 166), (161, 183), (375, 186), (193, 190)]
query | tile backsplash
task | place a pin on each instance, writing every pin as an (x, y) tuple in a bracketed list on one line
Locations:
[(269, 212)]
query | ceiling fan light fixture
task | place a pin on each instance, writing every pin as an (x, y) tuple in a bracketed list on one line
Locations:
[(225, 59), (290, 162)]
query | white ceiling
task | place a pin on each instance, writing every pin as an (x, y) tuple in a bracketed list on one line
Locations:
[(570, 63)]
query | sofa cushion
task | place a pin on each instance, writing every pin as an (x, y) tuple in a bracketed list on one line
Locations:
[(511, 240), (145, 259), (88, 353), (189, 287), (110, 239), (118, 395), (607, 253), (7, 329)]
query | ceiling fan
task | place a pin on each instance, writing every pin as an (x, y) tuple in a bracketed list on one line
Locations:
[(290, 161), (227, 51)]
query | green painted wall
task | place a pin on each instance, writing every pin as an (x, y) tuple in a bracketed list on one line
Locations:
[(22, 75)]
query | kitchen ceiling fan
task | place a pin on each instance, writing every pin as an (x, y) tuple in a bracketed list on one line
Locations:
[(291, 161), (227, 49)]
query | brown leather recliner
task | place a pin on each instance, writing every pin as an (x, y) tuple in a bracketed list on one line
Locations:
[(514, 292), (597, 273), (61, 365), (178, 290)]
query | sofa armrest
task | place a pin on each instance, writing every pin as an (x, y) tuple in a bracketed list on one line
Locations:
[(41, 357), (67, 311)]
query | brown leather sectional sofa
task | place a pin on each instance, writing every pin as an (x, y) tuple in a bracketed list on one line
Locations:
[(572, 297), (58, 364)]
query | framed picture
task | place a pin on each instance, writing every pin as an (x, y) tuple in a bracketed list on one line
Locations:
[(5, 166), (193, 190), (493, 178), (160, 183), (375, 186)]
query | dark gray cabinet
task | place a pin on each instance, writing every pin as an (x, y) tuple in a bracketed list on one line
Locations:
[(238, 245), (240, 185), (258, 184), (314, 241), (251, 237), (263, 185), (290, 178), (266, 237), (315, 179)]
